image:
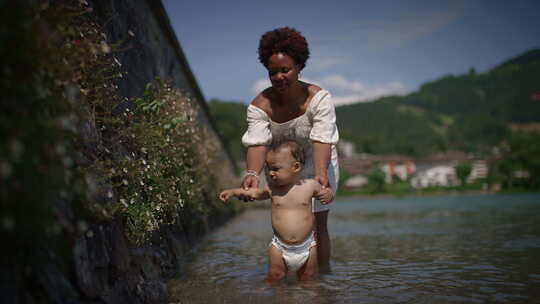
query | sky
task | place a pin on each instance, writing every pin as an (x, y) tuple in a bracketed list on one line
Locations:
[(360, 49)]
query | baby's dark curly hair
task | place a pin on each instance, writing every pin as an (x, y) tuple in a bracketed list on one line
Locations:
[(284, 40)]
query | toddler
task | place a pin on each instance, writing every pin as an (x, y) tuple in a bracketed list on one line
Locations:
[(293, 245)]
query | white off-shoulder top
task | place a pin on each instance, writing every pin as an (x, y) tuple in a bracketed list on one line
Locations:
[(318, 123)]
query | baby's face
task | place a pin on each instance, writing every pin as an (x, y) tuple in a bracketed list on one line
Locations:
[(282, 167)]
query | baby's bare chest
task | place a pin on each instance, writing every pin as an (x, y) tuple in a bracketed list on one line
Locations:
[(292, 201)]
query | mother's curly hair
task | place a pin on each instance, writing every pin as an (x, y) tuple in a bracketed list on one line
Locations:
[(284, 40)]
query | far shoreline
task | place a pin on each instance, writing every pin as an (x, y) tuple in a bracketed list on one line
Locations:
[(430, 193)]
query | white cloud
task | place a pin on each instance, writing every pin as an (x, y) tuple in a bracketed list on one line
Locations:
[(406, 28), (346, 91), (396, 30), (260, 85)]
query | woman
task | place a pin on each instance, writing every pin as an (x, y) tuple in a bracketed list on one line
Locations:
[(291, 107)]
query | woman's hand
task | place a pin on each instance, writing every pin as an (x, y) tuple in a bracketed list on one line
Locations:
[(250, 181), (325, 195), (323, 180)]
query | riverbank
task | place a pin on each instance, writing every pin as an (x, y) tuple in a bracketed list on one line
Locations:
[(434, 192)]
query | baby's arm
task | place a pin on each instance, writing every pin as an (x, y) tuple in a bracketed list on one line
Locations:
[(254, 193)]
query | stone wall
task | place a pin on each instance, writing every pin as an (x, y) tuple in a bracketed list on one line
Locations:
[(109, 269), (102, 266)]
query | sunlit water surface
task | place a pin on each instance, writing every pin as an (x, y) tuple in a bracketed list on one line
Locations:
[(439, 249)]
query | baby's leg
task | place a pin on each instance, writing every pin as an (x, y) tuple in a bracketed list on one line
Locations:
[(276, 265), (311, 268)]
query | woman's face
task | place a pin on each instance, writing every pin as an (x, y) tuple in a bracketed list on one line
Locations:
[(283, 71)]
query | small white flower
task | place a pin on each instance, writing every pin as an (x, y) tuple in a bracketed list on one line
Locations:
[(105, 48), (109, 194), (123, 202), (150, 188), (125, 182), (125, 170)]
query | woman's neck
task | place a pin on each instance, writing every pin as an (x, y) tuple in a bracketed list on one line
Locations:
[(293, 97)]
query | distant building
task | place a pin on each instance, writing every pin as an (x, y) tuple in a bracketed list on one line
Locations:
[(479, 170), (442, 175), (403, 170), (346, 148), (356, 181)]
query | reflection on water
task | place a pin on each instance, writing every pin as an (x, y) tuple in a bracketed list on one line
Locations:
[(451, 249)]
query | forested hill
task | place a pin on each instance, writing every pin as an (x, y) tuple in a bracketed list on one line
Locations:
[(467, 112), (230, 118)]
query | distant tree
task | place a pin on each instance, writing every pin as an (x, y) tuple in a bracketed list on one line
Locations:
[(230, 119), (463, 170), (376, 180), (522, 159)]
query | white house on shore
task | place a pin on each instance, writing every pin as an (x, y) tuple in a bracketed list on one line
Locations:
[(479, 170), (356, 181), (442, 175), (402, 170)]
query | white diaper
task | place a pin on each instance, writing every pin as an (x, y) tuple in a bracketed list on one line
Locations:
[(295, 256)]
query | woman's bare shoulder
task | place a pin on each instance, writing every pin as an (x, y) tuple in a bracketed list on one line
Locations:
[(312, 88), (262, 101)]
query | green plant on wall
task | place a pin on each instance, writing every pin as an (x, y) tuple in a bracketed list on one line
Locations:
[(168, 171)]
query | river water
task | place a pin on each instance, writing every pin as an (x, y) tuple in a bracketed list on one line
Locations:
[(437, 249)]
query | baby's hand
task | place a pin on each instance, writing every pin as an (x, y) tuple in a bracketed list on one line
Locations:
[(225, 195), (325, 195)]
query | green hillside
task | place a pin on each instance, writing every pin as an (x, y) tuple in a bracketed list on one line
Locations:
[(230, 118), (388, 126), (467, 112)]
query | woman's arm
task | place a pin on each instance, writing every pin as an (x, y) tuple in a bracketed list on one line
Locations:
[(321, 159), (255, 158)]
